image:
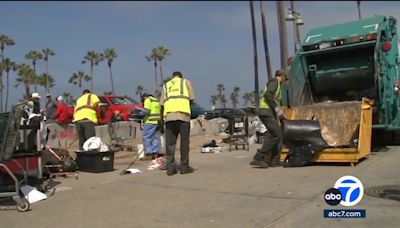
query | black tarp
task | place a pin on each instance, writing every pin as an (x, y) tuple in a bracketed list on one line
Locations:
[(304, 140)]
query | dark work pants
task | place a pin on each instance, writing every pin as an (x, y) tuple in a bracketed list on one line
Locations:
[(85, 129), (273, 141), (172, 130)]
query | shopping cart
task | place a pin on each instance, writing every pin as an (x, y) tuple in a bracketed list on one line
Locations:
[(119, 133), (10, 185), (238, 131)]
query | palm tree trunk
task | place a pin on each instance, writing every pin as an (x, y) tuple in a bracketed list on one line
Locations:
[(8, 86), (161, 74), (156, 77), (112, 80), (27, 91), (265, 39), (46, 78), (253, 28), (91, 77), (34, 81), (282, 33)]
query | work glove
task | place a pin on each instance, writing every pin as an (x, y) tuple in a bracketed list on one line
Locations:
[(279, 113)]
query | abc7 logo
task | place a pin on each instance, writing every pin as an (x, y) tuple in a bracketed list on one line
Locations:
[(348, 191)]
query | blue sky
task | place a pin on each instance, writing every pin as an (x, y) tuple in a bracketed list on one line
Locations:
[(211, 42)]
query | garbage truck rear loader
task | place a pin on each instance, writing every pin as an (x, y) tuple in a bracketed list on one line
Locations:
[(344, 74)]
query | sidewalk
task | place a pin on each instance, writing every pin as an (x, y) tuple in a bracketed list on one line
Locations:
[(224, 191)]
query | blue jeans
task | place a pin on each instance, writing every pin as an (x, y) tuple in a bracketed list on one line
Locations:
[(151, 139)]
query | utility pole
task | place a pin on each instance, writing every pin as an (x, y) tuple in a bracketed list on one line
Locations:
[(265, 39), (296, 27), (359, 10), (282, 33), (253, 28)]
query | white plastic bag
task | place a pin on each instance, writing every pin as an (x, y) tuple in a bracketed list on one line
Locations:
[(95, 143)]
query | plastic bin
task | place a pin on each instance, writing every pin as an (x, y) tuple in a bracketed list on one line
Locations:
[(95, 162)]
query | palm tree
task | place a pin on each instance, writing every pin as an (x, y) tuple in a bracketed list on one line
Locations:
[(220, 88), (26, 76), (246, 99), (213, 100), (265, 39), (76, 78), (4, 41), (153, 58), (223, 100), (161, 53), (232, 97), (139, 90), (236, 91), (45, 80), (7, 65), (94, 59), (34, 56), (110, 54), (46, 53), (359, 10), (69, 99)]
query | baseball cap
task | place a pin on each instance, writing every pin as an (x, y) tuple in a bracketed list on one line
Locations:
[(48, 95), (35, 95), (60, 98)]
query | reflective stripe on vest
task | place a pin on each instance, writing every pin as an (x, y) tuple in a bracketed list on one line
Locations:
[(277, 97), (154, 109), (176, 96)]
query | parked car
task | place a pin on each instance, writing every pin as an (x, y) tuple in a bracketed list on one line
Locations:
[(226, 113), (117, 108), (196, 110)]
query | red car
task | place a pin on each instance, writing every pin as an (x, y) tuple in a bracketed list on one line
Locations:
[(117, 108)]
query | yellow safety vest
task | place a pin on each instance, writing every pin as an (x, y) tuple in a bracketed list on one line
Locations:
[(151, 104), (277, 96), (176, 96), (84, 108)]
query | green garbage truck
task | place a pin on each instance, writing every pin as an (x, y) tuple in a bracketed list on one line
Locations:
[(347, 62)]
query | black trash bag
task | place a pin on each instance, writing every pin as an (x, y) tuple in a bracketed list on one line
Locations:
[(69, 165), (304, 139)]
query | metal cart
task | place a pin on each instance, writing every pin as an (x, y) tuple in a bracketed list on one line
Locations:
[(9, 129), (119, 132), (238, 131)]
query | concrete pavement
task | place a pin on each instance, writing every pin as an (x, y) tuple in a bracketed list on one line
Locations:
[(224, 191)]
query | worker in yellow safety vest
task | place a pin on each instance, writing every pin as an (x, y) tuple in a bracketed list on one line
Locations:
[(85, 116), (176, 96), (151, 135), (269, 113)]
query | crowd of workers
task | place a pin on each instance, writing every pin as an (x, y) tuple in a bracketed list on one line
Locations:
[(170, 114)]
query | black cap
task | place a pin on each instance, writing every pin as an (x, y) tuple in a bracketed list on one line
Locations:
[(86, 91), (177, 73)]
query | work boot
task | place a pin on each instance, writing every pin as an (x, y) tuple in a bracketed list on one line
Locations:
[(275, 161), (188, 169), (171, 171), (258, 160)]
